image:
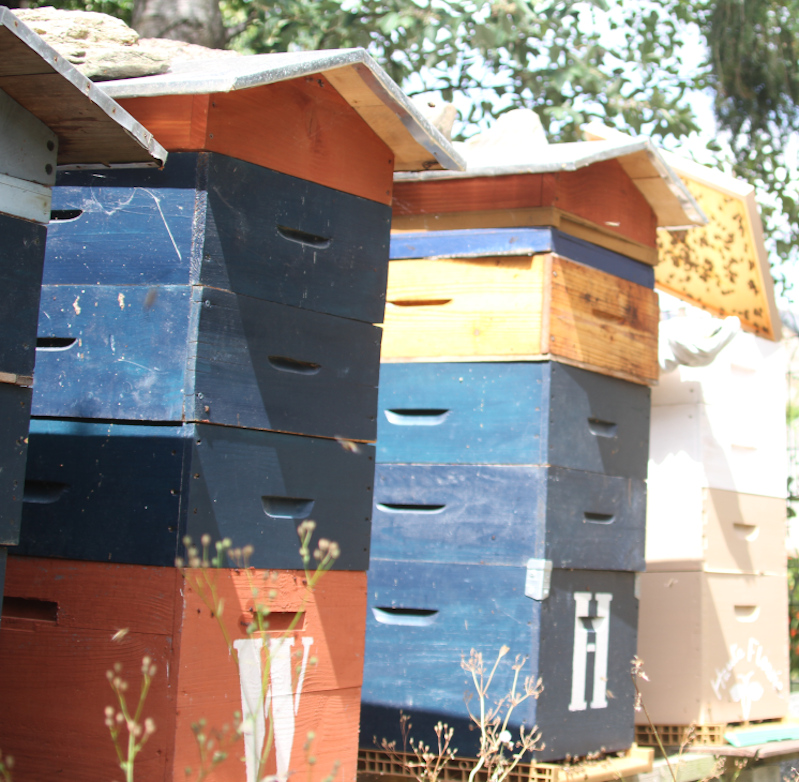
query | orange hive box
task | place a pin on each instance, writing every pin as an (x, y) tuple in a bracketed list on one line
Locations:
[(57, 640), (318, 136), (602, 195)]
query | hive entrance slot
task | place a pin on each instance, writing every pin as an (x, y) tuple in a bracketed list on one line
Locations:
[(43, 492), (27, 609), (598, 518), (601, 428), (417, 416), (414, 617), (287, 507), (63, 215), (55, 343), (303, 237), (409, 508), (286, 364)]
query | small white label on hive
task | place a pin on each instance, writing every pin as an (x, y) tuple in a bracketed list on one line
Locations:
[(539, 577)]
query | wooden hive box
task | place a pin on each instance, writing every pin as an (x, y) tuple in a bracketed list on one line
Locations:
[(60, 619), (714, 530), (714, 646), (578, 637), (716, 447), (129, 493), (542, 412), (506, 515), (520, 308)]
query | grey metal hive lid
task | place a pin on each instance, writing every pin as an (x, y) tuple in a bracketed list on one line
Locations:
[(670, 199), (416, 144), (92, 128)]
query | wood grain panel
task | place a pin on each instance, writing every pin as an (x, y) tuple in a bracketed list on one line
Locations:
[(604, 194), (600, 320), (301, 127), (177, 121), (601, 193), (476, 307), (434, 196), (53, 664)]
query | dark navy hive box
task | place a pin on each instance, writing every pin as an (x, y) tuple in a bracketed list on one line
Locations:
[(424, 617), (512, 413), (195, 353), (506, 514), (129, 493), (210, 219)]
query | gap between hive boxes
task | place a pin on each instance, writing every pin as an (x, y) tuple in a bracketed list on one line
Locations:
[(374, 765)]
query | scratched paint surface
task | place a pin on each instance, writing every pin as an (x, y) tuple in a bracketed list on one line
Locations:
[(717, 266)]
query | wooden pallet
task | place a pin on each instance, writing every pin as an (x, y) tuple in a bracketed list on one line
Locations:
[(374, 764)]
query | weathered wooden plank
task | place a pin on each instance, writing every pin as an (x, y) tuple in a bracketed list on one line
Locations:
[(60, 634), (113, 352), (129, 493), (425, 617), (211, 219), (602, 193), (269, 366), (512, 413), (317, 136), (180, 353), (21, 261), (602, 321), (15, 411), (507, 514)]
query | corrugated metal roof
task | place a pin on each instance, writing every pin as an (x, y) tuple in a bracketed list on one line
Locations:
[(416, 144), (91, 127)]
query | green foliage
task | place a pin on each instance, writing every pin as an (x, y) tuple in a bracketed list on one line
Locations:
[(123, 9), (793, 617), (548, 55)]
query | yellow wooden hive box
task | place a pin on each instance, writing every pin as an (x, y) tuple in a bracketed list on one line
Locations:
[(533, 307)]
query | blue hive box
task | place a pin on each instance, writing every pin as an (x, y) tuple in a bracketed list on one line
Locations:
[(579, 639), (512, 413), (129, 493)]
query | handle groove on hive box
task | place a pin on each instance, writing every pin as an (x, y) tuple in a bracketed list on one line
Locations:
[(64, 215), (748, 532), (55, 343), (287, 507), (286, 364), (409, 617), (419, 302), (43, 492), (275, 621), (416, 417), (602, 428), (409, 508), (303, 237), (598, 518), (29, 609), (746, 613)]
